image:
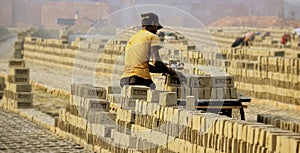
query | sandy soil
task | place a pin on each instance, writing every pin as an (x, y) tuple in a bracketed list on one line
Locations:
[(48, 103)]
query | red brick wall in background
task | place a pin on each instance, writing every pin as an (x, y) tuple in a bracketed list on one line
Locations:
[(92, 10)]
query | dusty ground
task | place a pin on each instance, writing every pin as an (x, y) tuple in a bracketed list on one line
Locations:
[(48, 103), (20, 135), (255, 108)]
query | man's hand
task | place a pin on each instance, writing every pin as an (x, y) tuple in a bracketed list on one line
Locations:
[(177, 74)]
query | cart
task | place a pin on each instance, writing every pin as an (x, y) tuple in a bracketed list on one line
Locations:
[(223, 106)]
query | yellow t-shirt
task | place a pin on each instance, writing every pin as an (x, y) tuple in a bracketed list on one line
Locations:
[(137, 54)]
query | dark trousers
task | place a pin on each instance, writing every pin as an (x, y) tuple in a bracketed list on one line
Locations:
[(135, 80)]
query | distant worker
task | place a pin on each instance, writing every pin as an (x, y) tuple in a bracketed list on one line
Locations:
[(266, 33), (140, 48), (296, 33), (263, 34), (246, 40), (285, 39), (249, 38)]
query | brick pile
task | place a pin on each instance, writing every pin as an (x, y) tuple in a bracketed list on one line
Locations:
[(144, 119), (255, 69), (155, 127), (86, 117), (291, 124), (17, 92)]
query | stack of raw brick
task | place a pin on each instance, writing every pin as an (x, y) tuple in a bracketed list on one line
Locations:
[(112, 61), (118, 96), (227, 36), (256, 70), (82, 54), (155, 127), (87, 124), (86, 119), (64, 33), (88, 54), (17, 93), (19, 44), (200, 86), (125, 116), (49, 52), (18, 53), (157, 124), (130, 113), (111, 53), (291, 124), (193, 57)]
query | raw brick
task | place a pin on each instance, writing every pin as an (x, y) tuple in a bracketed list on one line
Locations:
[(153, 95), (19, 71), (96, 104), (18, 79), (190, 103), (130, 103), (137, 92), (19, 87), (168, 99), (170, 81), (16, 63)]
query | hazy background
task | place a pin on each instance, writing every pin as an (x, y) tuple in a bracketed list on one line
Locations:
[(44, 13)]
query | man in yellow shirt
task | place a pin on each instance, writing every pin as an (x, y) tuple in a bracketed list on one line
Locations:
[(140, 48)]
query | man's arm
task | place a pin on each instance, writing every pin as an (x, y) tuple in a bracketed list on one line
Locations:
[(159, 66)]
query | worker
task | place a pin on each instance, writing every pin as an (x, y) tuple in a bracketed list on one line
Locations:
[(296, 33), (285, 39), (246, 40), (141, 47), (263, 34)]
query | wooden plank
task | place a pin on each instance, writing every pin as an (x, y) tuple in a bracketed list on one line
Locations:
[(219, 107)]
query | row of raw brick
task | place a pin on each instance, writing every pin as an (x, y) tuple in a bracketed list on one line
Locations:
[(17, 93), (291, 124), (211, 129)]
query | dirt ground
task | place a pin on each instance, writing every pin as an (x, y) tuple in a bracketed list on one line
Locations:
[(48, 103)]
